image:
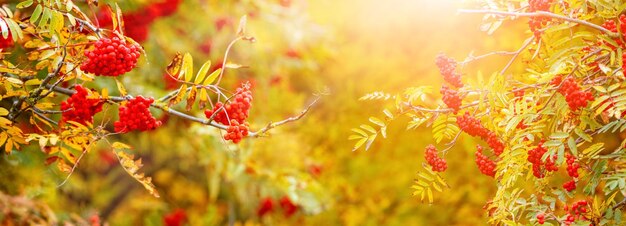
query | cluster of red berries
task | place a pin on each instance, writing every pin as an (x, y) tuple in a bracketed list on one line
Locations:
[(472, 126), (572, 166), (485, 165), (570, 185), (575, 97), (234, 114), (175, 218), (536, 23), (447, 68), (238, 109), (437, 163), (534, 157), (5, 42), (576, 212), (111, 57), (135, 115), (267, 206), (572, 171), (451, 98), (541, 218), (136, 23), (79, 108), (236, 131)]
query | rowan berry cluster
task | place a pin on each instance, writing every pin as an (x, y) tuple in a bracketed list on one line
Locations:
[(612, 26), (236, 131), (447, 68), (267, 206), (575, 97), (288, 206), (451, 98), (572, 166), (541, 218), (485, 165), (536, 23), (111, 57), (437, 163), (238, 108), (472, 126), (576, 212), (135, 115), (79, 107), (572, 171), (5, 42), (234, 114), (176, 218), (570, 185), (534, 157)]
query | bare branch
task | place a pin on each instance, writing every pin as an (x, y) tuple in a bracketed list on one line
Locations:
[(288, 120), (543, 14)]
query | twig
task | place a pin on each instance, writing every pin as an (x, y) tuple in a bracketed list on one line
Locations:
[(73, 168), (208, 122), (544, 14), (517, 53), (290, 119)]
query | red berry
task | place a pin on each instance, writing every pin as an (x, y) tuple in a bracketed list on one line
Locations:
[(572, 166), (472, 126), (447, 68), (111, 57), (8, 41), (438, 164), (574, 96), (541, 219), (289, 207), (79, 107), (570, 185), (536, 23), (266, 206), (238, 108), (485, 165), (176, 218), (236, 132), (451, 98), (135, 115), (534, 157)]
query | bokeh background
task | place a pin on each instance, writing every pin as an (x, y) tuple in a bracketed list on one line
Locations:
[(344, 49)]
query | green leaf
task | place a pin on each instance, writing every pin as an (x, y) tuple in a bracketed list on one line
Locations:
[(559, 135), (24, 4), (571, 143), (36, 14)]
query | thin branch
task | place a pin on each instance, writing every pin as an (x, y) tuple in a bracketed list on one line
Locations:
[(526, 44), (203, 121), (288, 120), (472, 58), (544, 14)]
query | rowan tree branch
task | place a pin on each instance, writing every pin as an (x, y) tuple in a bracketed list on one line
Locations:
[(203, 121), (543, 14)]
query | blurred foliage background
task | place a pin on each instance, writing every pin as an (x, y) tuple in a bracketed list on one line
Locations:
[(343, 48)]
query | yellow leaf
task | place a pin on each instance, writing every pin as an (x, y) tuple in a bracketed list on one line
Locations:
[(119, 145), (188, 67)]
